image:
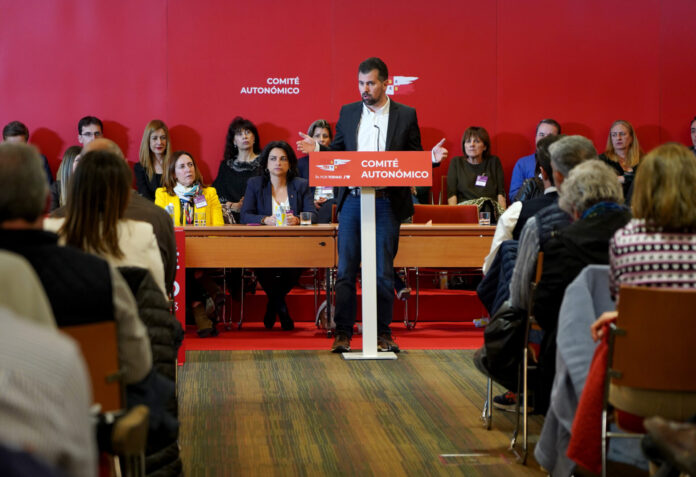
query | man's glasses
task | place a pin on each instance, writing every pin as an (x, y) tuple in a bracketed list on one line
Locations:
[(92, 134)]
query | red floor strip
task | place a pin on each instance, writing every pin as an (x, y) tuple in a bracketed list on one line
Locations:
[(306, 336)]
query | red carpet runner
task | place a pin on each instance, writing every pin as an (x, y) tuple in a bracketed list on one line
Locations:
[(306, 336)]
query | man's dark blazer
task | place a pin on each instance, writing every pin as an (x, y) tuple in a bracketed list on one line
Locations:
[(403, 134), (258, 200)]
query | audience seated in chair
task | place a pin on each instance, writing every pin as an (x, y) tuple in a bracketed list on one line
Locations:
[(82, 288), (98, 195), (142, 210), (593, 197), (566, 153), (512, 221)]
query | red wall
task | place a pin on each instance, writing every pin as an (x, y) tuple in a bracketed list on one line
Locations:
[(502, 65)]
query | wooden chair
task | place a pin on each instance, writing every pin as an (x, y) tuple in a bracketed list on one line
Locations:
[(99, 345), (650, 347), (98, 342)]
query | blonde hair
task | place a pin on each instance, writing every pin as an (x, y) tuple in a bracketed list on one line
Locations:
[(663, 191), (147, 159), (634, 153)]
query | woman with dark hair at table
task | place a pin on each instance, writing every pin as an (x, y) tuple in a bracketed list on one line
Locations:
[(278, 187), (240, 162), (155, 151), (477, 174)]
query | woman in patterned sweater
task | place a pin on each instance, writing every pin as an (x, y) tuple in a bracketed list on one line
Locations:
[(657, 248)]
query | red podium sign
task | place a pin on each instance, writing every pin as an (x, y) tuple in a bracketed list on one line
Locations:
[(180, 286), (370, 169)]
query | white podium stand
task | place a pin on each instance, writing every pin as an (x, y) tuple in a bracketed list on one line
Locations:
[(367, 170), (369, 280)]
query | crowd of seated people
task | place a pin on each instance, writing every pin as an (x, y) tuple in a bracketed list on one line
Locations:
[(567, 212)]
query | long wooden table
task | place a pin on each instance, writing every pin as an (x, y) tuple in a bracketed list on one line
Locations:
[(310, 246), (445, 245), (450, 245)]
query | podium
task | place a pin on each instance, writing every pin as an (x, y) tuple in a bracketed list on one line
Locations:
[(369, 170)]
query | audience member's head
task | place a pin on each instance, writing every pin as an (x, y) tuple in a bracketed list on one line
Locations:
[(543, 156), (663, 191), (89, 128), (183, 171), (238, 132), (693, 132), (320, 130), (588, 184), (481, 134), (155, 146), (65, 171), (23, 185), (15, 132), (547, 127), (97, 199), (568, 152), (622, 143), (101, 144)]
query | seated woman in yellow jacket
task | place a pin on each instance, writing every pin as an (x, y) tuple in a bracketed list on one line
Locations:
[(190, 202), (185, 196)]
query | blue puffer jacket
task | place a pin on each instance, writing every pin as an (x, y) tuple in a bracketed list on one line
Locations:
[(494, 289)]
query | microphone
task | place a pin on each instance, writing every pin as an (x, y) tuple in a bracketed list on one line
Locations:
[(378, 132)]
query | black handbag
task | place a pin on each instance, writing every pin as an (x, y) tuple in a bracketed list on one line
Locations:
[(503, 339)]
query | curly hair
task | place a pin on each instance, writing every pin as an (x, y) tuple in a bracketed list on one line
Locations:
[(238, 123)]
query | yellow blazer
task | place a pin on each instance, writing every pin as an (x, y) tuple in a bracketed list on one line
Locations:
[(213, 209)]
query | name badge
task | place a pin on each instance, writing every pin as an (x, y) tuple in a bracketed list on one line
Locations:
[(481, 181), (199, 201)]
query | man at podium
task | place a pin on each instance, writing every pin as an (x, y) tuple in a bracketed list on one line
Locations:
[(375, 123)]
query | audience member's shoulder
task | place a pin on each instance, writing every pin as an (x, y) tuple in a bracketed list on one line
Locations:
[(300, 182), (160, 192), (137, 228), (255, 181), (23, 334)]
